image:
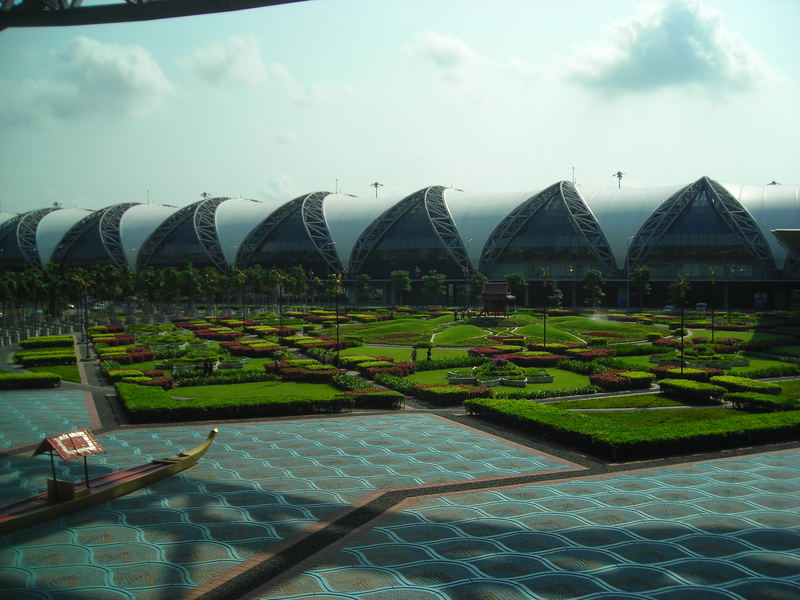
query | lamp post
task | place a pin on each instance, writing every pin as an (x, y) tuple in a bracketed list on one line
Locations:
[(571, 271), (337, 282), (545, 275), (682, 286), (712, 271)]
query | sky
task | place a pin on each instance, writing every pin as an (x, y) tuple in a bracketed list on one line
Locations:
[(485, 96)]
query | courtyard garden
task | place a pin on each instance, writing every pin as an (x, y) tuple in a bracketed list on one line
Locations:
[(561, 378)]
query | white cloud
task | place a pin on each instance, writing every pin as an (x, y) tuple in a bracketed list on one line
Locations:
[(447, 53), (237, 62), (90, 78), (680, 43), (308, 95), (278, 187)]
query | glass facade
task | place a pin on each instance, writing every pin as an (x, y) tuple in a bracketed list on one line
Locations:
[(699, 240), (87, 250), (411, 244), (11, 258), (547, 240), (179, 248), (288, 245)]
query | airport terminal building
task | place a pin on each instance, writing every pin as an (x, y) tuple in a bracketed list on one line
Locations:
[(721, 235)]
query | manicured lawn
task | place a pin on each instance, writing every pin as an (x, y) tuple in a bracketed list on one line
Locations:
[(581, 326), (401, 353), (462, 335), (561, 380), (791, 388), (397, 331), (66, 372), (535, 332), (262, 389), (641, 401)]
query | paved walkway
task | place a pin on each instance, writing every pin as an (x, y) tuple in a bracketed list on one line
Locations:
[(417, 505)]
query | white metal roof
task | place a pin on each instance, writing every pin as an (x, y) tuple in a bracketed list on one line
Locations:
[(234, 219), (137, 224), (620, 213), (348, 216), (475, 216), (53, 227), (772, 207)]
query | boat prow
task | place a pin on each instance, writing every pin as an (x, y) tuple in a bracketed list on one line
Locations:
[(41, 508)]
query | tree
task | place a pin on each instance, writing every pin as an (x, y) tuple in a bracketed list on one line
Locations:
[(555, 297), (518, 284), (401, 285), (190, 283), (640, 283), (593, 283), (476, 282), (365, 291), (433, 284), (679, 290)]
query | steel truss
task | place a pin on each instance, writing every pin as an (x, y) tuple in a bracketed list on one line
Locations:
[(264, 229), (432, 200), (81, 227), (317, 228), (206, 228), (26, 235), (202, 215), (110, 232), (43, 13), (442, 221), (726, 206), (579, 215)]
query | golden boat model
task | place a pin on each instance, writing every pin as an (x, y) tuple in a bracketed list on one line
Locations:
[(65, 497)]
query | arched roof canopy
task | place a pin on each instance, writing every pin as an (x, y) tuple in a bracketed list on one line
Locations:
[(701, 229), (235, 218), (554, 230), (415, 234), (137, 224)]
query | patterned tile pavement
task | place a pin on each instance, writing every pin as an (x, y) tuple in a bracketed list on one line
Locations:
[(259, 484), (30, 415), (717, 530)]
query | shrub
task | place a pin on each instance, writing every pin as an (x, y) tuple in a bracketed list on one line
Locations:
[(634, 349), (622, 380), (373, 397), (400, 384), (597, 341), (146, 404), (543, 394), (755, 402), (19, 381), (48, 341), (453, 362), (652, 337), (744, 384), (349, 383), (785, 370), (46, 359), (224, 377), (694, 392), (399, 369), (443, 394), (693, 373), (588, 354)]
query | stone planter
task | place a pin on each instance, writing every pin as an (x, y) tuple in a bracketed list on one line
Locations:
[(462, 380), (541, 379), (489, 382), (513, 382)]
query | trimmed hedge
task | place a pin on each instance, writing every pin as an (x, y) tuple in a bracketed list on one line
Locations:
[(376, 398), (743, 384), (754, 402), (443, 394), (152, 404), (48, 341), (544, 394), (225, 378), (622, 380), (401, 384), (20, 381), (693, 392), (349, 383), (785, 370), (600, 436)]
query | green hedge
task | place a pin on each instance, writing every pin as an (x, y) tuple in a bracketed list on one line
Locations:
[(786, 370), (378, 399), (48, 341), (153, 404), (18, 381), (45, 359), (401, 384), (744, 384), (349, 383), (756, 402), (225, 377), (543, 394), (693, 392), (450, 394), (603, 437)]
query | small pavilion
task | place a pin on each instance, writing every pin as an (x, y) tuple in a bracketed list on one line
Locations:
[(496, 298)]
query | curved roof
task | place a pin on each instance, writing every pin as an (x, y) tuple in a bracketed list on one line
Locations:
[(234, 219), (348, 216), (6, 217), (137, 224), (53, 227), (620, 213), (475, 216), (772, 207)]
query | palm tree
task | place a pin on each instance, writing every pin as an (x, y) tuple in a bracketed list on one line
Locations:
[(400, 282)]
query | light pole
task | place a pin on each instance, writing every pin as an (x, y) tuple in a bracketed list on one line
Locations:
[(337, 282), (545, 275), (376, 185), (571, 271), (712, 271), (682, 286)]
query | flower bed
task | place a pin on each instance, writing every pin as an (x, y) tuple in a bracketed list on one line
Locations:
[(589, 354), (443, 394)]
